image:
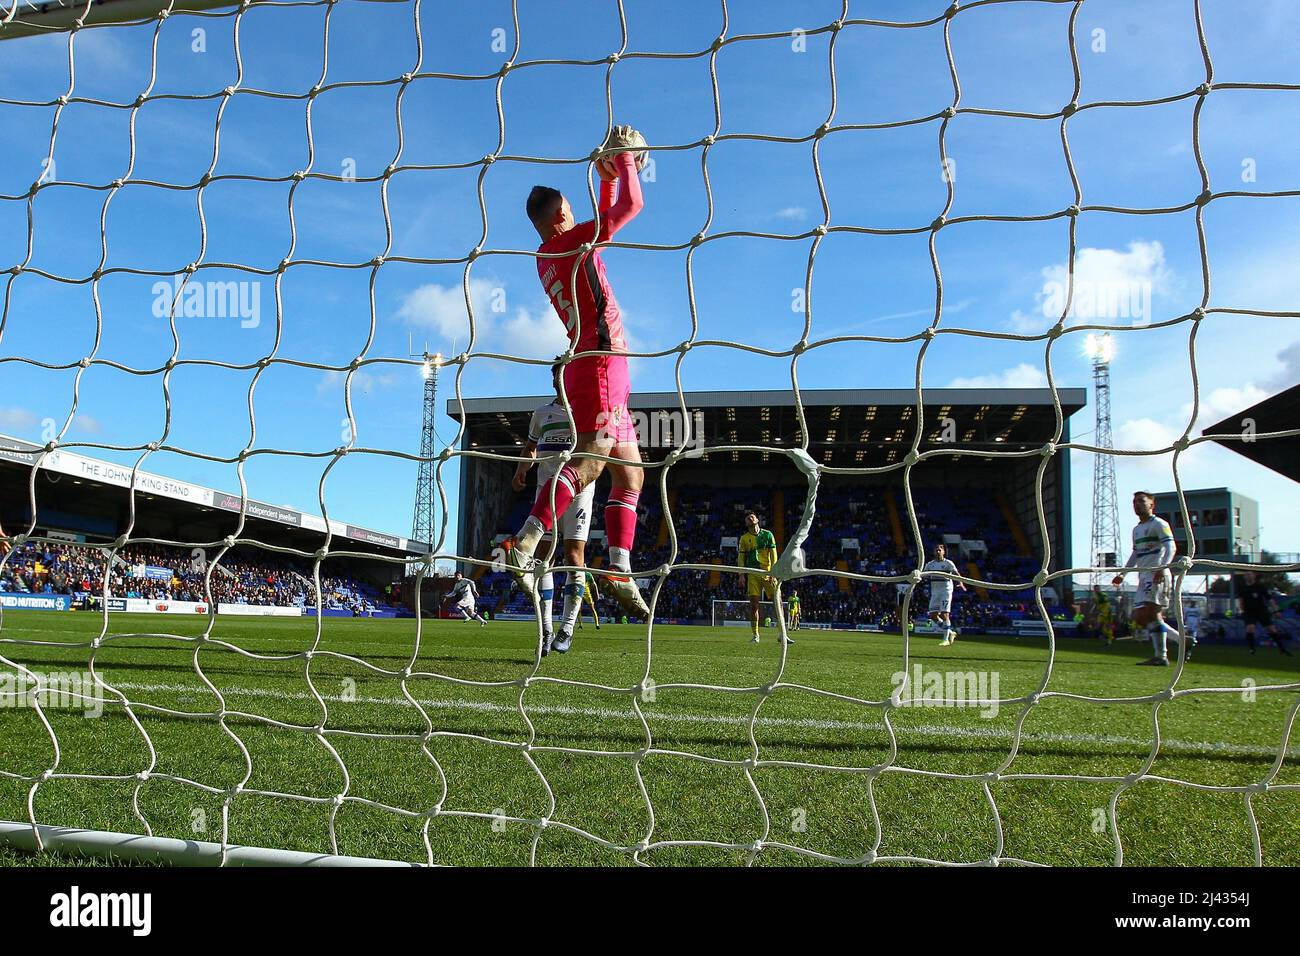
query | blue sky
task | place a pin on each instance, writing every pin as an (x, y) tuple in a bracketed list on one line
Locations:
[(997, 276)]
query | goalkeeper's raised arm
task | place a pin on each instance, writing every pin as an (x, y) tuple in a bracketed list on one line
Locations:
[(620, 186)]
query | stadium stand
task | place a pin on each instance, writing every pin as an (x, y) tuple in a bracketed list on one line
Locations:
[(83, 501), (707, 516), (984, 510), (157, 573)]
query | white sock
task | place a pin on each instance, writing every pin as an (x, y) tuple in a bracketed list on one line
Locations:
[(572, 602), (529, 535), (1170, 631), (620, 559), (548, 600), (1158, 637)]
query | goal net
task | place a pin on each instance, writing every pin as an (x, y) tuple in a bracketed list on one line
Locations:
[(736, 613), (221, 228)]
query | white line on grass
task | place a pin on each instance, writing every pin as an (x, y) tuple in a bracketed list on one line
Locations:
[(607, 713)]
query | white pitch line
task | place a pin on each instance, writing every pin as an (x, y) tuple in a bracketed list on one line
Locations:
[(606, 713)]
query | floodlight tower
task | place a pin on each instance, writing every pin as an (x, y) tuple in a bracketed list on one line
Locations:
[(423, 526), (1105, 548)]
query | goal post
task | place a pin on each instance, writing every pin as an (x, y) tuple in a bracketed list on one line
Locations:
[(733, 613), (132, 848)]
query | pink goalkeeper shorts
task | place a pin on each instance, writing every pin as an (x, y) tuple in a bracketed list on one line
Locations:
[(598, 387)]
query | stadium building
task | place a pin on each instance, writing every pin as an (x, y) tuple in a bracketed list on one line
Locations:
[(980, 500), (1277, 416), (82, 500), (1222, 522)]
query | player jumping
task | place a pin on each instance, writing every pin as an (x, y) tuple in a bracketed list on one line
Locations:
[(464, 593), (757, 549), (597, 386), (1153, 546), (549, 434), (1257, 607), (941, 593)]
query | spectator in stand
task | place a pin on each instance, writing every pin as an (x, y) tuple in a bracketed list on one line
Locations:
[(243, 578)]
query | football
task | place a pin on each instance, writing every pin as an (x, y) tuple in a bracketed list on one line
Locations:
[(622, 139)]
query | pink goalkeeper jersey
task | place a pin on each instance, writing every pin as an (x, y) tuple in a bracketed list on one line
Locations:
[(591, 298)]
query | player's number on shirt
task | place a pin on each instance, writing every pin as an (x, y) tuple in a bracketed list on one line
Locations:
[(564, 305)]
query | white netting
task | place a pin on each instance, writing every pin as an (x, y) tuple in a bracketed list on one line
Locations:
[(323, 732), (724, 612)]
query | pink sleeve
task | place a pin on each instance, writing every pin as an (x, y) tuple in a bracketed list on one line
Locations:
[(608, 193), (629, 200)]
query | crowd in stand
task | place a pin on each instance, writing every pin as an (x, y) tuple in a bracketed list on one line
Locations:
[(159, 573), (706, 519), (706, 522)]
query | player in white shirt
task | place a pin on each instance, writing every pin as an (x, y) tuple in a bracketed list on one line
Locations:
[(464, 593), (941, 593), (1153, 546), (1192, 622), (549, 434)]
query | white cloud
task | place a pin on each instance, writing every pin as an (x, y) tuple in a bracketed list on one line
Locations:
[(796, 213), (1145, 435), (16, 419), (1023, 375), (1111, 287), (1026, 324), (523, 332), (442, 308), (362, 382), (1218, 403), (1203, 464), (87, 424), (1290, 374), (533, 335)]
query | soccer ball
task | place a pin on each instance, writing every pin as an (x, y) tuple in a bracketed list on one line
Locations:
[(624, 138)]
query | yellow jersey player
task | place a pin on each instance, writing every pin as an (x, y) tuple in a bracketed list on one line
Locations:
[(792, 611), (757, 549), (589, 595)]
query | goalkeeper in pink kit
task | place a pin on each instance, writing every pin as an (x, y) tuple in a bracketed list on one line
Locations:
[(597, 386)]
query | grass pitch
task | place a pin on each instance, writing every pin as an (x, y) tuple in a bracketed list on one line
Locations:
[(830, 778)]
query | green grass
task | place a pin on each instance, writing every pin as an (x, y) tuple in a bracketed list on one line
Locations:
[(818, 785)]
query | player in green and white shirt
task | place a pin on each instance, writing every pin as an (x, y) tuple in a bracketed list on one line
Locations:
[(941, 593), (548, 435), (463, 594), (1153, 546)]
